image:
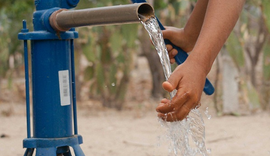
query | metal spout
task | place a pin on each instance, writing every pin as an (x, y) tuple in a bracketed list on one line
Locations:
[(63, 20)]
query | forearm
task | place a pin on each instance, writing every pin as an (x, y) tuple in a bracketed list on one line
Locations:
[(220, 18), (195, 21)]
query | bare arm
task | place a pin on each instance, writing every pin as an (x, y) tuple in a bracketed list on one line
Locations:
[(189, 77), (195, 21), (186, 37), (220, 18)]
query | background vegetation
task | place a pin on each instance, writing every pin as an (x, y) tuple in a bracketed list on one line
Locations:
[(105, 55)]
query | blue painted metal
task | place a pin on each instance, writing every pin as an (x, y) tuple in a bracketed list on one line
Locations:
[(44, 35), (52, 146), (26, 68), (53, 129), (48, 4), (73, 88), (53, 142), (73, 3), (50, 119), (182, 56)]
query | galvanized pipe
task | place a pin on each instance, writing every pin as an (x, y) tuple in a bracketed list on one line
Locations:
[(63, 20)]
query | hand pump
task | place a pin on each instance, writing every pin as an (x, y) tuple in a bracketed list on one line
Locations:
[(54, 128)]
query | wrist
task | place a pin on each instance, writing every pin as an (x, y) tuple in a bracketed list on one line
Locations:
[(202, 64)]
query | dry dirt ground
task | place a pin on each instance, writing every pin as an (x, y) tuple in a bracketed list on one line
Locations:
[(112, 133), (135, 130)]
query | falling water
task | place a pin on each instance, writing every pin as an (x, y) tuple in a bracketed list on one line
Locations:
[(186, 136)]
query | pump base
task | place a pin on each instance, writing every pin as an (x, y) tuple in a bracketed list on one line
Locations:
[(53, 146)]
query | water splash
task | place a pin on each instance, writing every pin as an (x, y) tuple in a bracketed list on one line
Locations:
[(207, 113), (187, 136), (209, 150)]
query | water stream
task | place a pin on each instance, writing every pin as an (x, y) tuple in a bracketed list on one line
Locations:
[(187, 136)]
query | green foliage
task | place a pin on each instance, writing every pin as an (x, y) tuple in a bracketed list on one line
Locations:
[(235, 50), (266, 11), (129, 33), (4, 41), (253, 96), (159, 4), (11, 15), (83, 4), (265, 93), (247, 40), (109, 50), (266, 61)]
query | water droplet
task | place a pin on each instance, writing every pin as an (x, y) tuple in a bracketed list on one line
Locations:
[(206, 110), (113, 84), (209, 150), (207, 113)]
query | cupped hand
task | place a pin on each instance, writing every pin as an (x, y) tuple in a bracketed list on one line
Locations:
[(188, 79)]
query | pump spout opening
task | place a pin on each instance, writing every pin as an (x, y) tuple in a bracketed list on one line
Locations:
[(63, 20), (145, 12)]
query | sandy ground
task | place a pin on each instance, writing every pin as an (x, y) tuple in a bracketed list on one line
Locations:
[(112, 133), (135, 130)]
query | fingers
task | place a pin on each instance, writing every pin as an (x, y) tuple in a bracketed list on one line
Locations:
[(172, 61), (173, 81), (175, 116), (178, 108), (172, 52), (175, 78), (164, 108), (175, 104), (169, 47), (168, 86), (170, 117), (164, 100)]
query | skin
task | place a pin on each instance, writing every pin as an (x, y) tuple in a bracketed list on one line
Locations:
[(206, 31)]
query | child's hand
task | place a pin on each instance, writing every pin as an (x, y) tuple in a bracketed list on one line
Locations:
[(172, 52), (179, 38), (188, 78)]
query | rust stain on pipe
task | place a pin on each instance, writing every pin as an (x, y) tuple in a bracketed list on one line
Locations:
[(63, 20)]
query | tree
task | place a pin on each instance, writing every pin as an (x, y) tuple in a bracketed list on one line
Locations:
[(109, 51), (11, 15), (265, 91)]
